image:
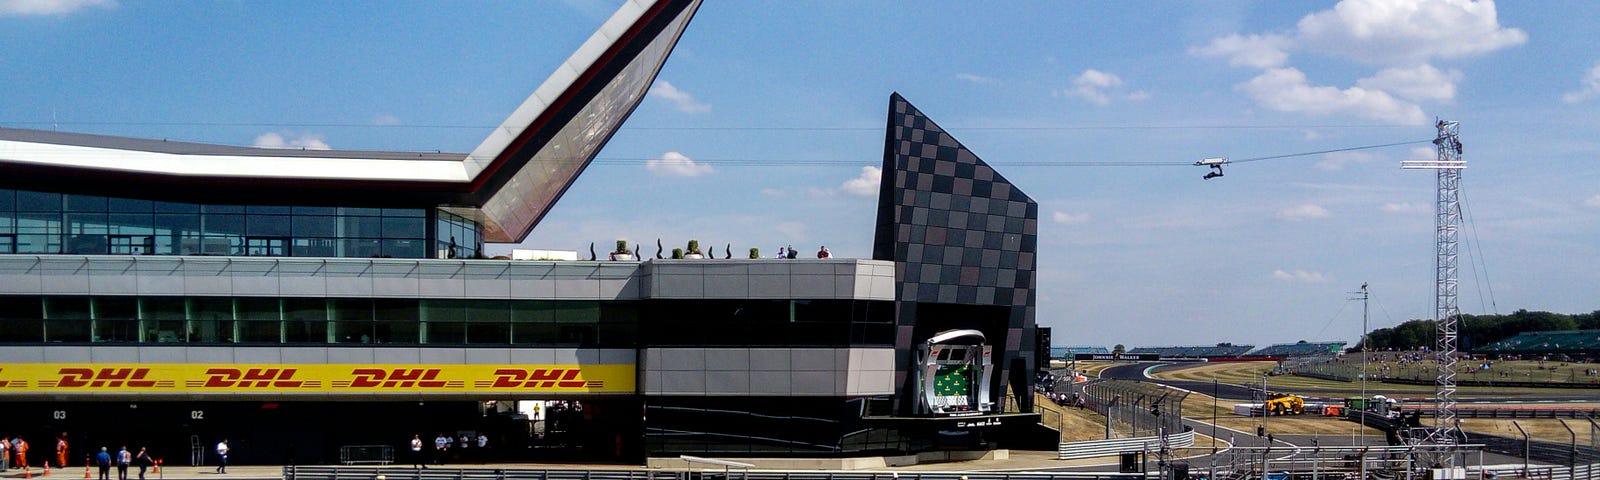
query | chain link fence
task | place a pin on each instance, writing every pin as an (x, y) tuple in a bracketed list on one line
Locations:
[(1136, 409)]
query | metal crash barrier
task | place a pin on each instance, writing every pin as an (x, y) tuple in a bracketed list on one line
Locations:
[(366, 455)]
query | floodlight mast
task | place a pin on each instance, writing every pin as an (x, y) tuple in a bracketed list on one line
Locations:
[(1447, 222)]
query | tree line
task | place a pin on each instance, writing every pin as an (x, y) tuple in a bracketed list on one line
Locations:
[(1479, 330)]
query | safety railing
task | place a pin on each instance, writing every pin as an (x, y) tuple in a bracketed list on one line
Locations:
[(1098, 448), (395, 473)]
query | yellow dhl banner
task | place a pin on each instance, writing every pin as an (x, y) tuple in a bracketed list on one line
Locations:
[(108, 378)]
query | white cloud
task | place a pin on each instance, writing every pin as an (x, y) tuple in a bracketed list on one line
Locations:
[(1301, 276), (385, 119), (682, 100), (1287, 90), (1302, 212), (1589, 87), (1259, 51), (1401, 34), (866, 184), (975, 78), (1337, 160), (1401, 31), (674, 164), (1070, 218), (304, 141), (1100, 87), (1420, 83), (1592, 202), (49, 7), (1406, 207)]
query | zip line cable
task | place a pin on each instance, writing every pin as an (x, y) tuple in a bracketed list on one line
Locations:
[(1334, 317), (1476, 246), (705, 128), (1320, 152)]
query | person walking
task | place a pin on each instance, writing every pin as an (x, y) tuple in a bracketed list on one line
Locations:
[(123, 460), (144, 461), (416, 452), (61, 450), (102, 461), (222, 456)]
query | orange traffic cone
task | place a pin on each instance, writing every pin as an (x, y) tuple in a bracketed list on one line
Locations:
[(27, 472), (85, 469), (158, 466), (46, 469)]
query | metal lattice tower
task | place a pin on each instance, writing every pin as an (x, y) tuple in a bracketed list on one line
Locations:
[(1447, 222)]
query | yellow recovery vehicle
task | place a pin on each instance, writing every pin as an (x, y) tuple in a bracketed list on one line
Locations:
[(1284, 404)]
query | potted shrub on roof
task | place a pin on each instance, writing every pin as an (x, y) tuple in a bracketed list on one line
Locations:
[(621, 253), (694, 250)]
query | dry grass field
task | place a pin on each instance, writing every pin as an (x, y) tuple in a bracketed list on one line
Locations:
[(1075, 425), (1546, 429), (1249, 373), (1199, 406)]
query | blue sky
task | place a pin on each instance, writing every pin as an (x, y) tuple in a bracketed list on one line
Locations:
[(767, 121)]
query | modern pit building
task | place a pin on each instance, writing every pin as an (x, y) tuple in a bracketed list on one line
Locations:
[(303, 303)]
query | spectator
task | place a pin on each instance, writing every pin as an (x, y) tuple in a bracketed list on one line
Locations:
[(441, 448), (124, 459), (824, 253), (103, 462)]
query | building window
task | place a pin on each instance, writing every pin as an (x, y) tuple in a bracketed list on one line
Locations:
[(50, 223)]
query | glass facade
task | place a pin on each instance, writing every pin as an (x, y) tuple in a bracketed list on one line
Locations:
[(456, 236), (55, 223), (400, 321), (252, 320)]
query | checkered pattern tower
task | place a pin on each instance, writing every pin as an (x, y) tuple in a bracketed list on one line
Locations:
[(963, 240)]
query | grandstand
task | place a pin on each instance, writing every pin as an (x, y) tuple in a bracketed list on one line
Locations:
[(1570, 342), (1196, 351), (1087, 349), (1068, 352), (1299, 349)]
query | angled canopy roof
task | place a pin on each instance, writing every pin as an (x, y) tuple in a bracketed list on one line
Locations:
[(508, 183)]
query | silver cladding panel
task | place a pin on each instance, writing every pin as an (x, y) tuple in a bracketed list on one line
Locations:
[(853, 279), (814, 372)]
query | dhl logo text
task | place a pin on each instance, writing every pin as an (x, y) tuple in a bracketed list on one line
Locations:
[(105, 377), (398, 377), (252, 377), (538, 377)]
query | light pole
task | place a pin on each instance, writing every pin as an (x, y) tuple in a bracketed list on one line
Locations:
[(1364, 349)]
